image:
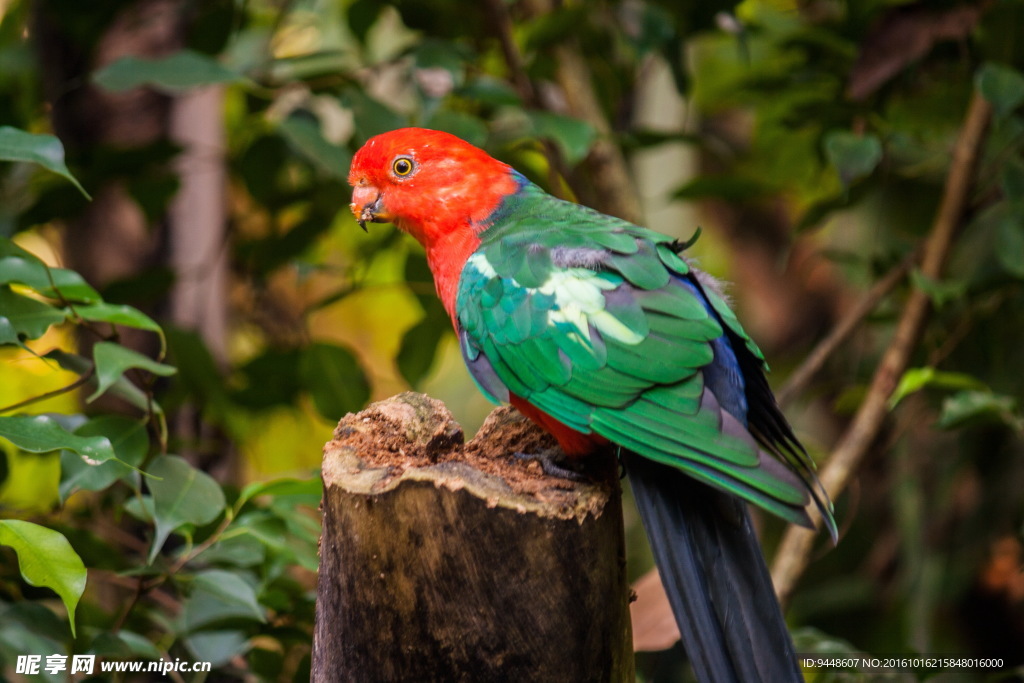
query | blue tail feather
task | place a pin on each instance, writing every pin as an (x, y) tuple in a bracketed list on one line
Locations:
[(715, 576)]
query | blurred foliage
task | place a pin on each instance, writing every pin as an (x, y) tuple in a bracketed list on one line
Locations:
[(842, 115)]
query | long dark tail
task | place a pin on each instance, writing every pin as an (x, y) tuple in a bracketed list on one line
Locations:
[(715, 576)]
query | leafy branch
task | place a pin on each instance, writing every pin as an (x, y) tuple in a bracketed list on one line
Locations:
[(795, 550)]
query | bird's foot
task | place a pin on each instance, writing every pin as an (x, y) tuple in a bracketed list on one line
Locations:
[(551, 463)]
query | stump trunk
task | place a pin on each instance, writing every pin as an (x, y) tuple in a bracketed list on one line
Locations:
[(444, 561)]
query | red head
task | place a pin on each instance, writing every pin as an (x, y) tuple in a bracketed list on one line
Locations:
[(426, 182), (433, 186)]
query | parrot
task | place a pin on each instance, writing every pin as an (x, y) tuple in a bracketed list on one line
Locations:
[(605, 335)]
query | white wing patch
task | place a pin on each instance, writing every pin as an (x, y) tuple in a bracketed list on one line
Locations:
[(579, 300)]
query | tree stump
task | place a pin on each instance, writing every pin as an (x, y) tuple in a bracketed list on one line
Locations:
[(445, 561)]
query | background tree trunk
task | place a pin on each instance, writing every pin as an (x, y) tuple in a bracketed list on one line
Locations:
[(115, 240), (111, 239)]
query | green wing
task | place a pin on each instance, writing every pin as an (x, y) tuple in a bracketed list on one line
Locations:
[(594, 323)]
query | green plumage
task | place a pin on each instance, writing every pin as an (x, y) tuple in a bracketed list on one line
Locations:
[(599, 323)]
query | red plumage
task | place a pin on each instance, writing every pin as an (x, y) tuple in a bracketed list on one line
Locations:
[(465, 186), (573, 443)]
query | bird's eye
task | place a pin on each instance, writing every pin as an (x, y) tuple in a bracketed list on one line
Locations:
[(402, 166)]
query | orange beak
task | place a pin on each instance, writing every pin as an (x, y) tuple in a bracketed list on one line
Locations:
[(367, 206)]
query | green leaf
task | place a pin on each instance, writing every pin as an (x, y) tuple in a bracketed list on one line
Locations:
[(19, 265), (219, 594), (940, 293), (243, 550), (334, 378), (45, 150), (572, 136), (260, 168), (304, 134), (42, 434), (124, 645), (35, 274), (1002, 86), (854, 156), (362, 14), (270, 379), (270, 530), (45, 558), (304, 488), (436, 56), (181, 495), (9, 248), (915, 379), (728, 187), (819, 210), (972, 406), (419, 278), (113, 360), (1009, 245), (419, 345), (1011, 181), (268, 665), (117, 314), (9, 335), (555, 26), (130, 442), (28, 627), (490, 91), (303, 529), (216, 647), (472, 129), (811, 640), (141, 508), (181, 71), (651, 26), (121, 388), (28, 317), (371, 116), (197, 369)]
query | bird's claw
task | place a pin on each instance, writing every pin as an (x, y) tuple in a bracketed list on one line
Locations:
[(548, 461)]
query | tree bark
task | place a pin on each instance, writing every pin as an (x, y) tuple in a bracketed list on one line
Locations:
[(444, 561), (198, 253)]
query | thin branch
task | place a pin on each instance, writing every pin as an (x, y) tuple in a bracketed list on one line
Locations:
[(84, 379), (803, 375), (138, 590), (172, 674), (952, 339), (795, 550), (141, 587), (114, 533), (202, 547), (497, 11)]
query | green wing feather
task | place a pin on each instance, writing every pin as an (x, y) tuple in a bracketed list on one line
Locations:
[(587, 318)]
